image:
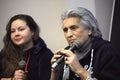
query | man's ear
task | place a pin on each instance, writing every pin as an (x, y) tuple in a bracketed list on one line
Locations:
[(89, 32)]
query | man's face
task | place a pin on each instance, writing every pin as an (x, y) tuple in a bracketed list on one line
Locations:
[(74, 30)]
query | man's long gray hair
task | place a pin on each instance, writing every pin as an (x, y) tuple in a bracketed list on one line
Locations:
[(86, 18)]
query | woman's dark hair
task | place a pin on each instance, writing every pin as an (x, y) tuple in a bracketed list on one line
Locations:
[(12, 53)]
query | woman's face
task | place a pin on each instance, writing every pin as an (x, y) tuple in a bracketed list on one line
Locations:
[(74, 30), (21, 35)]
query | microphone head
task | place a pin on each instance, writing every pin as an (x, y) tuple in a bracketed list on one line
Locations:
[(21, 65), (77, 44)]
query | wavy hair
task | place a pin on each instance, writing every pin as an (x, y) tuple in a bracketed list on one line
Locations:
[(86, 18)]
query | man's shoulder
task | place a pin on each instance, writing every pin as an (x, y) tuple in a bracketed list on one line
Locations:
[(100, 43)]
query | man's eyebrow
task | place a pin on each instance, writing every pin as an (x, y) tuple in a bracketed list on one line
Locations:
[(74, 26)]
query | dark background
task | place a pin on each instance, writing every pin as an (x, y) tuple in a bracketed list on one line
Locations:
[(115, 33)]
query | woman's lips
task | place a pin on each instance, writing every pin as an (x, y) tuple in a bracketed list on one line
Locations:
[(18, 39)]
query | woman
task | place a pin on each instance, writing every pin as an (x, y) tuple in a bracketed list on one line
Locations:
[(22, 43)]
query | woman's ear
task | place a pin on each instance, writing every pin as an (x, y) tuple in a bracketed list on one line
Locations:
[(32, 33)]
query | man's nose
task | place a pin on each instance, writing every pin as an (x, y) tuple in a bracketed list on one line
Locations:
[(70, 33)]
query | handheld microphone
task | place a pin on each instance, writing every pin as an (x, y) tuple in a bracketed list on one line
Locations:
[(21, 65), (75, 45)]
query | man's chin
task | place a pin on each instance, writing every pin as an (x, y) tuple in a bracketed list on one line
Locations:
[(70, 44)]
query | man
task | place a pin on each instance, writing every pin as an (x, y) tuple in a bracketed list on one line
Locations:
[(93, 59)]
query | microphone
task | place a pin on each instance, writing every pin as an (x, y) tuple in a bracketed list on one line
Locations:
[(21, 65), (75, 45)]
